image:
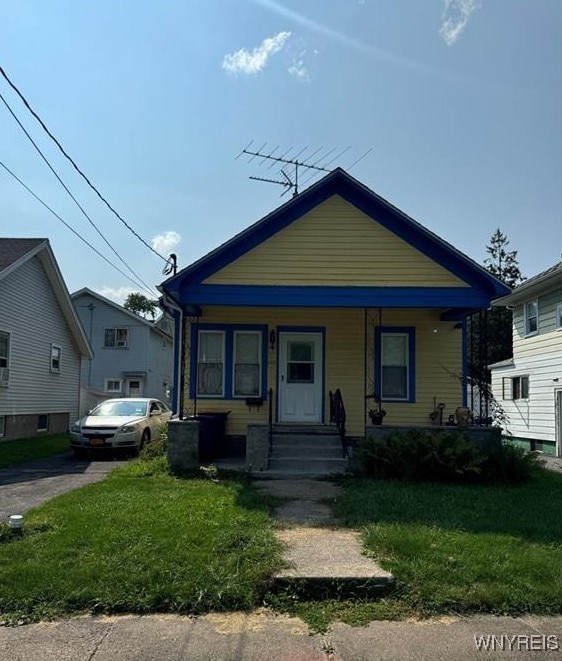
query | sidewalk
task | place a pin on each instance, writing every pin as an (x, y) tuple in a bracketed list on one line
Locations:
[(260, 636)]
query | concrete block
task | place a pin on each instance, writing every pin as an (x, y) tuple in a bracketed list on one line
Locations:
[(257, 448), (183, 445)]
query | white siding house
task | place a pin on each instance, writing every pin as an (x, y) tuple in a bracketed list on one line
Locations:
[(41, 342), (132, 355), (529, 386)]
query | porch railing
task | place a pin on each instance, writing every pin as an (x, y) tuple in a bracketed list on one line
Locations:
[(337, 417)]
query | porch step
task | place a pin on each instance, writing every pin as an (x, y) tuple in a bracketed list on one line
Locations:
[(315, 451), (295, 440), (312, 466), (307, 430)]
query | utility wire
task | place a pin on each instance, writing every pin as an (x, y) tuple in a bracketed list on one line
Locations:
[(56, 215), (70, 193), (75, 166)]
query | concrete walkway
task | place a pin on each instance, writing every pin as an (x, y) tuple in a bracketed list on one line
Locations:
[(32, 483), (320, 559), (261, 636)]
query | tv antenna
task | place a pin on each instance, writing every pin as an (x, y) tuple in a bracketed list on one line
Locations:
[(293, 163)]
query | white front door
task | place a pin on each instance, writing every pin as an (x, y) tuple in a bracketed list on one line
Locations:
[(300, 377)]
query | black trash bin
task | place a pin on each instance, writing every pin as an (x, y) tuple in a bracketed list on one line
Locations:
[(212, 437)]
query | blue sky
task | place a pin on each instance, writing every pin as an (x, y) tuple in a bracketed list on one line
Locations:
[(460, 101)]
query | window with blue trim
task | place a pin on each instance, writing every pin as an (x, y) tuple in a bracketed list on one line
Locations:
[(228, 361), (395, 364)]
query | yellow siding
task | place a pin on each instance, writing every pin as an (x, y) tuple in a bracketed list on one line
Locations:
[(335, 244), (438, 361)]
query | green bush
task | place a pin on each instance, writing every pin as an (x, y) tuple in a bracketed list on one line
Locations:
[(510, 464), (444, 456), (157, 447)]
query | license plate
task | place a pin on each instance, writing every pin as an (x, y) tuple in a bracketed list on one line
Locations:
[(96, 441)]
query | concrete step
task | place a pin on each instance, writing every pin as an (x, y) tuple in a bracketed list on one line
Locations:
[(284, 428), (325, 563), (312, 451), (312, 466), (306, 439)]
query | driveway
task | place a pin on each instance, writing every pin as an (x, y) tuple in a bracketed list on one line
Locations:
[(32, 483)]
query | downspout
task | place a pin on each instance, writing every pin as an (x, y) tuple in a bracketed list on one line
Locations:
[(179, 352)]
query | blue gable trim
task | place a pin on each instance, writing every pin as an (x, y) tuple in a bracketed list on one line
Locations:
[(340, 183), (295, 296)]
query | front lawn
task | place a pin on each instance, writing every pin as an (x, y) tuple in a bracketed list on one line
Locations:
[(25, 449), (455, 549), (140, 541)]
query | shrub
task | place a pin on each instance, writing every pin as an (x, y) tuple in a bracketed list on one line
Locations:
[(157, 447), (510, 463), (444, 456)]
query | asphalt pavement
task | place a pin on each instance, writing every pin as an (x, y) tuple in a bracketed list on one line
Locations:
[(30, 484)]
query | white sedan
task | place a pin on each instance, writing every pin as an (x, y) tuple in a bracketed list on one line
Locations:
[(126, 424)]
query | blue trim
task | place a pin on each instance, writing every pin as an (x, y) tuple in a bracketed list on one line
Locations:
[(320, 296), (178, 341), (228, 330), (377, 208), (303, 329), (464, 340), (411, 332)]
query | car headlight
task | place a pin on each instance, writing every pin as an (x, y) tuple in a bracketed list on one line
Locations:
[(75, 427), (128, 428)]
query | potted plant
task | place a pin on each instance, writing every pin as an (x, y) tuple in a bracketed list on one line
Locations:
[(377, 415)]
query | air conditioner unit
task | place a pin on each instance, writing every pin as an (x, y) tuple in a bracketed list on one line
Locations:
[(4, 376), (122, 344)]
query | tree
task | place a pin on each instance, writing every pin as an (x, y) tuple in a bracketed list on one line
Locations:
[(140, 304), (490, 333), (502, 262)]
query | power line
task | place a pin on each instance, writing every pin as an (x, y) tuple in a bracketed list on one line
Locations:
[(69, 192), (75, 166), (56, 215)]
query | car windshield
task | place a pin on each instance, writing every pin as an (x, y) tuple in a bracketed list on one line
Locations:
[(127, 409)]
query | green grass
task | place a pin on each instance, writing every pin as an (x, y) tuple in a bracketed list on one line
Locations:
[(454, 549), (25, 449), (140, 541)]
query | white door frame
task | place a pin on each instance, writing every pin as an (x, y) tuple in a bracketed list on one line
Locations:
[(317, 334), (128, 386)]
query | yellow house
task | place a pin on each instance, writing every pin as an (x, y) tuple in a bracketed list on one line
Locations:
[(336, 290)]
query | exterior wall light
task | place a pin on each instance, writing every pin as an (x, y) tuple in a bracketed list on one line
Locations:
[(272, 339)]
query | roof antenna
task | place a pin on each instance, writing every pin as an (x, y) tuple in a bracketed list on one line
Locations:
[(289, 181)]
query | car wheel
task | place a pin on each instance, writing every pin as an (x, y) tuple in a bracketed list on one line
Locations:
[(145, 438)]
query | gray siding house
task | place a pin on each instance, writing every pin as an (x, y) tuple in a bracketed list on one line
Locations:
[(41, 342), (132, 356), (529, 385)]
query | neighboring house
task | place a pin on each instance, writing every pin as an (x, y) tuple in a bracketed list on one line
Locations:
[(132, 355), (529, 385), (41, 342), (336, 289)]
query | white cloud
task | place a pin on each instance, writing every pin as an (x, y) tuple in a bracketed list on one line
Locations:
[(252, 62), (298, 70), (455, 18), (117, 294), (166, 242)]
